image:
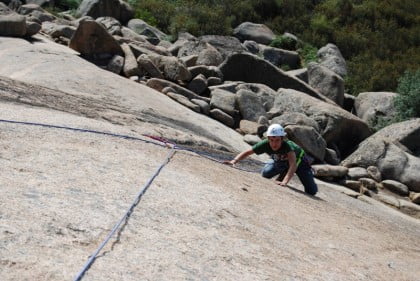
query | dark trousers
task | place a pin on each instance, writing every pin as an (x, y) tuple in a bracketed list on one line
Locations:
[(304, 172)]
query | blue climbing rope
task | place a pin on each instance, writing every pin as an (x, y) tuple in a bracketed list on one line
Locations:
[(126, 215)]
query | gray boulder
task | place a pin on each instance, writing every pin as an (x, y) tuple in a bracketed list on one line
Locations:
[(141, 27), (309, 139), (148, 67), (209, 56), (160, 84), (396, 187), (251, 46), (259, 33), (198, 84), (265, 93), (116, 64), (111, 24), (207, 71), (330, 57), (295, 118), (252, 69), (250, 105), (130, 67), (92, 39), (226, 45), (369, 106), (223, 100), (117, 9), (56, 30), (280, 57), (326, 82), (329, 171), (13, 25), (173, 69), (223, 117)]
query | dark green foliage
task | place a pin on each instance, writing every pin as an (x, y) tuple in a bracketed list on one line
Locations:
[(65, 5), (407, 102), (284, 42), (308, 53)]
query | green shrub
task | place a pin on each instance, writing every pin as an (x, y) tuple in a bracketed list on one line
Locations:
[(284, 42), (407, 102), (308, 53)]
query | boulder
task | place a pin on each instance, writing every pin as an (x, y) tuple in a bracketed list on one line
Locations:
[(226, 45), (146, 65), (374, 173), (249, 127), (172, 68), (160, 84), (92, 39), (141, 27), (184, 101), (309, 139), (13, 25), (281, 58), (335, 124), (117, 9), (198, 84), (331, 157), (204, 106), (265, 93), (223, 100), (369, 106), (323, 170), (252, 69), (56, 30), (111, 24), (368, 183), (396, 187), (356, 173), (209, 56), (326, 82), (130, 67), (259, 33), (295, 118), (331, 57), (32, 28), (127, 33), (251, 46), (250, 105), (223, 117)]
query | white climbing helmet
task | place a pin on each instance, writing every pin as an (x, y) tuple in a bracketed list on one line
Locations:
[(276, 130)]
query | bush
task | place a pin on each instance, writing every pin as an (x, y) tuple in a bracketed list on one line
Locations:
[(407, 102), (308, 53), (284, 42)]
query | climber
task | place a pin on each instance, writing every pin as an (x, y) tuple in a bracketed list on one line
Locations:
[(287, 158)]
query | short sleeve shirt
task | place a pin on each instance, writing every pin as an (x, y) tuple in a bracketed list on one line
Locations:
[(278, 155)]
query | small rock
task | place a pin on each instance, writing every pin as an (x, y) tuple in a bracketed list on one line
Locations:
[(396, 187)]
